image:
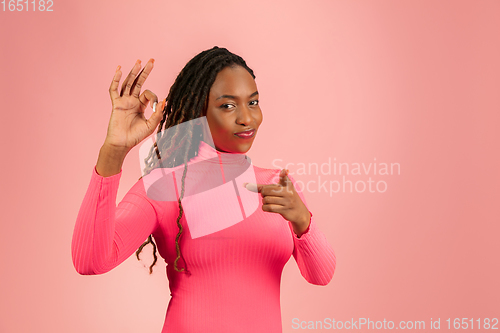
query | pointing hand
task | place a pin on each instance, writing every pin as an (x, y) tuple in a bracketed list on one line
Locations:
[(282, 198)]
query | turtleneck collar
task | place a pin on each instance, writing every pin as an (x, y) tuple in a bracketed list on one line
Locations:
[(209, 154)]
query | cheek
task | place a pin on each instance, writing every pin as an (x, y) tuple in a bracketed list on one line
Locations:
[(221, 126), (214, 122)]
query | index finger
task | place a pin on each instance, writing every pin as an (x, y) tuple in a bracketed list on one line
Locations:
[(259, 188)]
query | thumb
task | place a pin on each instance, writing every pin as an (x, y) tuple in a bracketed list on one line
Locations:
[(284, 180), (157, 115)]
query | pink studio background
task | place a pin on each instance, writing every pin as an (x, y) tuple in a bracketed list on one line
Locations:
[(408, 82)]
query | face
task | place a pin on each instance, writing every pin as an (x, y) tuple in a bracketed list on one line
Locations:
[(233, 111)]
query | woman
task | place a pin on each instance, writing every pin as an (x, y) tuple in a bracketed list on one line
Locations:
[(229, 277)]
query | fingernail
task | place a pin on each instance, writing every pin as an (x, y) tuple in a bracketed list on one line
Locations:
[(154, 106), (251, 187), (152, 60)]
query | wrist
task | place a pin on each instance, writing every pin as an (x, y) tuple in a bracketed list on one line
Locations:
[(115, 151), (110, 160), (301, 226)]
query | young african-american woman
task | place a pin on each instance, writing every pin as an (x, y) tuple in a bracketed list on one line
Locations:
[(225, 279)]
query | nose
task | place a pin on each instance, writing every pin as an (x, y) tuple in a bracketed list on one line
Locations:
[(244, 116)]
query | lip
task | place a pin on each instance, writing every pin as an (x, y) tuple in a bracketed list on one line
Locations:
[(246, 134)]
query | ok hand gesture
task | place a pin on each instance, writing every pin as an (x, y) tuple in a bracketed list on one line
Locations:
[(127, 125)]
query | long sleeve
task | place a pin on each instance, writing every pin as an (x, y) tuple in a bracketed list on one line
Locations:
[(106, 234), (312, 251)]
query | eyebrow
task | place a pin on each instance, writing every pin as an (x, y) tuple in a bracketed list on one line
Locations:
[(236, 97)]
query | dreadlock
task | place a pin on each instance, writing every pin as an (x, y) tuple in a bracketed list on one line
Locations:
[(186, 100)]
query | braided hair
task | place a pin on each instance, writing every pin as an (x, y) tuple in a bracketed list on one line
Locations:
[(186, 100)]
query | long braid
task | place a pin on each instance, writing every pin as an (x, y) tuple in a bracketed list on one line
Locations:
[(181, 209), (187, 100), (150, 240)]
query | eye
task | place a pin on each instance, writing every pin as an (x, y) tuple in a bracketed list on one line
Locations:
[(227, 106), (254, 102)]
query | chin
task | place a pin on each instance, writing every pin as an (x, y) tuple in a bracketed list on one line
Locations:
[(235, 150), (240, 151), (241, 148), (245, 148)]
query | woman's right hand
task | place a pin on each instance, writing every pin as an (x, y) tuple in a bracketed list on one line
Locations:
[(128, 126)]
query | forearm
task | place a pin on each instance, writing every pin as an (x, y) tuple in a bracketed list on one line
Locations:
[(314, 255), (300, 227), (94, 228), (110, 160), (106, 234)]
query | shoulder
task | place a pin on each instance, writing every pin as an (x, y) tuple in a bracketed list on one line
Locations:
[(270, 174), (264, 175)]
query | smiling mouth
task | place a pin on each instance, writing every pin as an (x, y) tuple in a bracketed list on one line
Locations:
[(246, 134)]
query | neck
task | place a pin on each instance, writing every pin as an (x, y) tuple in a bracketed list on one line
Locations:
[(208, 153)]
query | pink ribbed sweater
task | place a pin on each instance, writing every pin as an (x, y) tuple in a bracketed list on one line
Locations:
[(233, 284)]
